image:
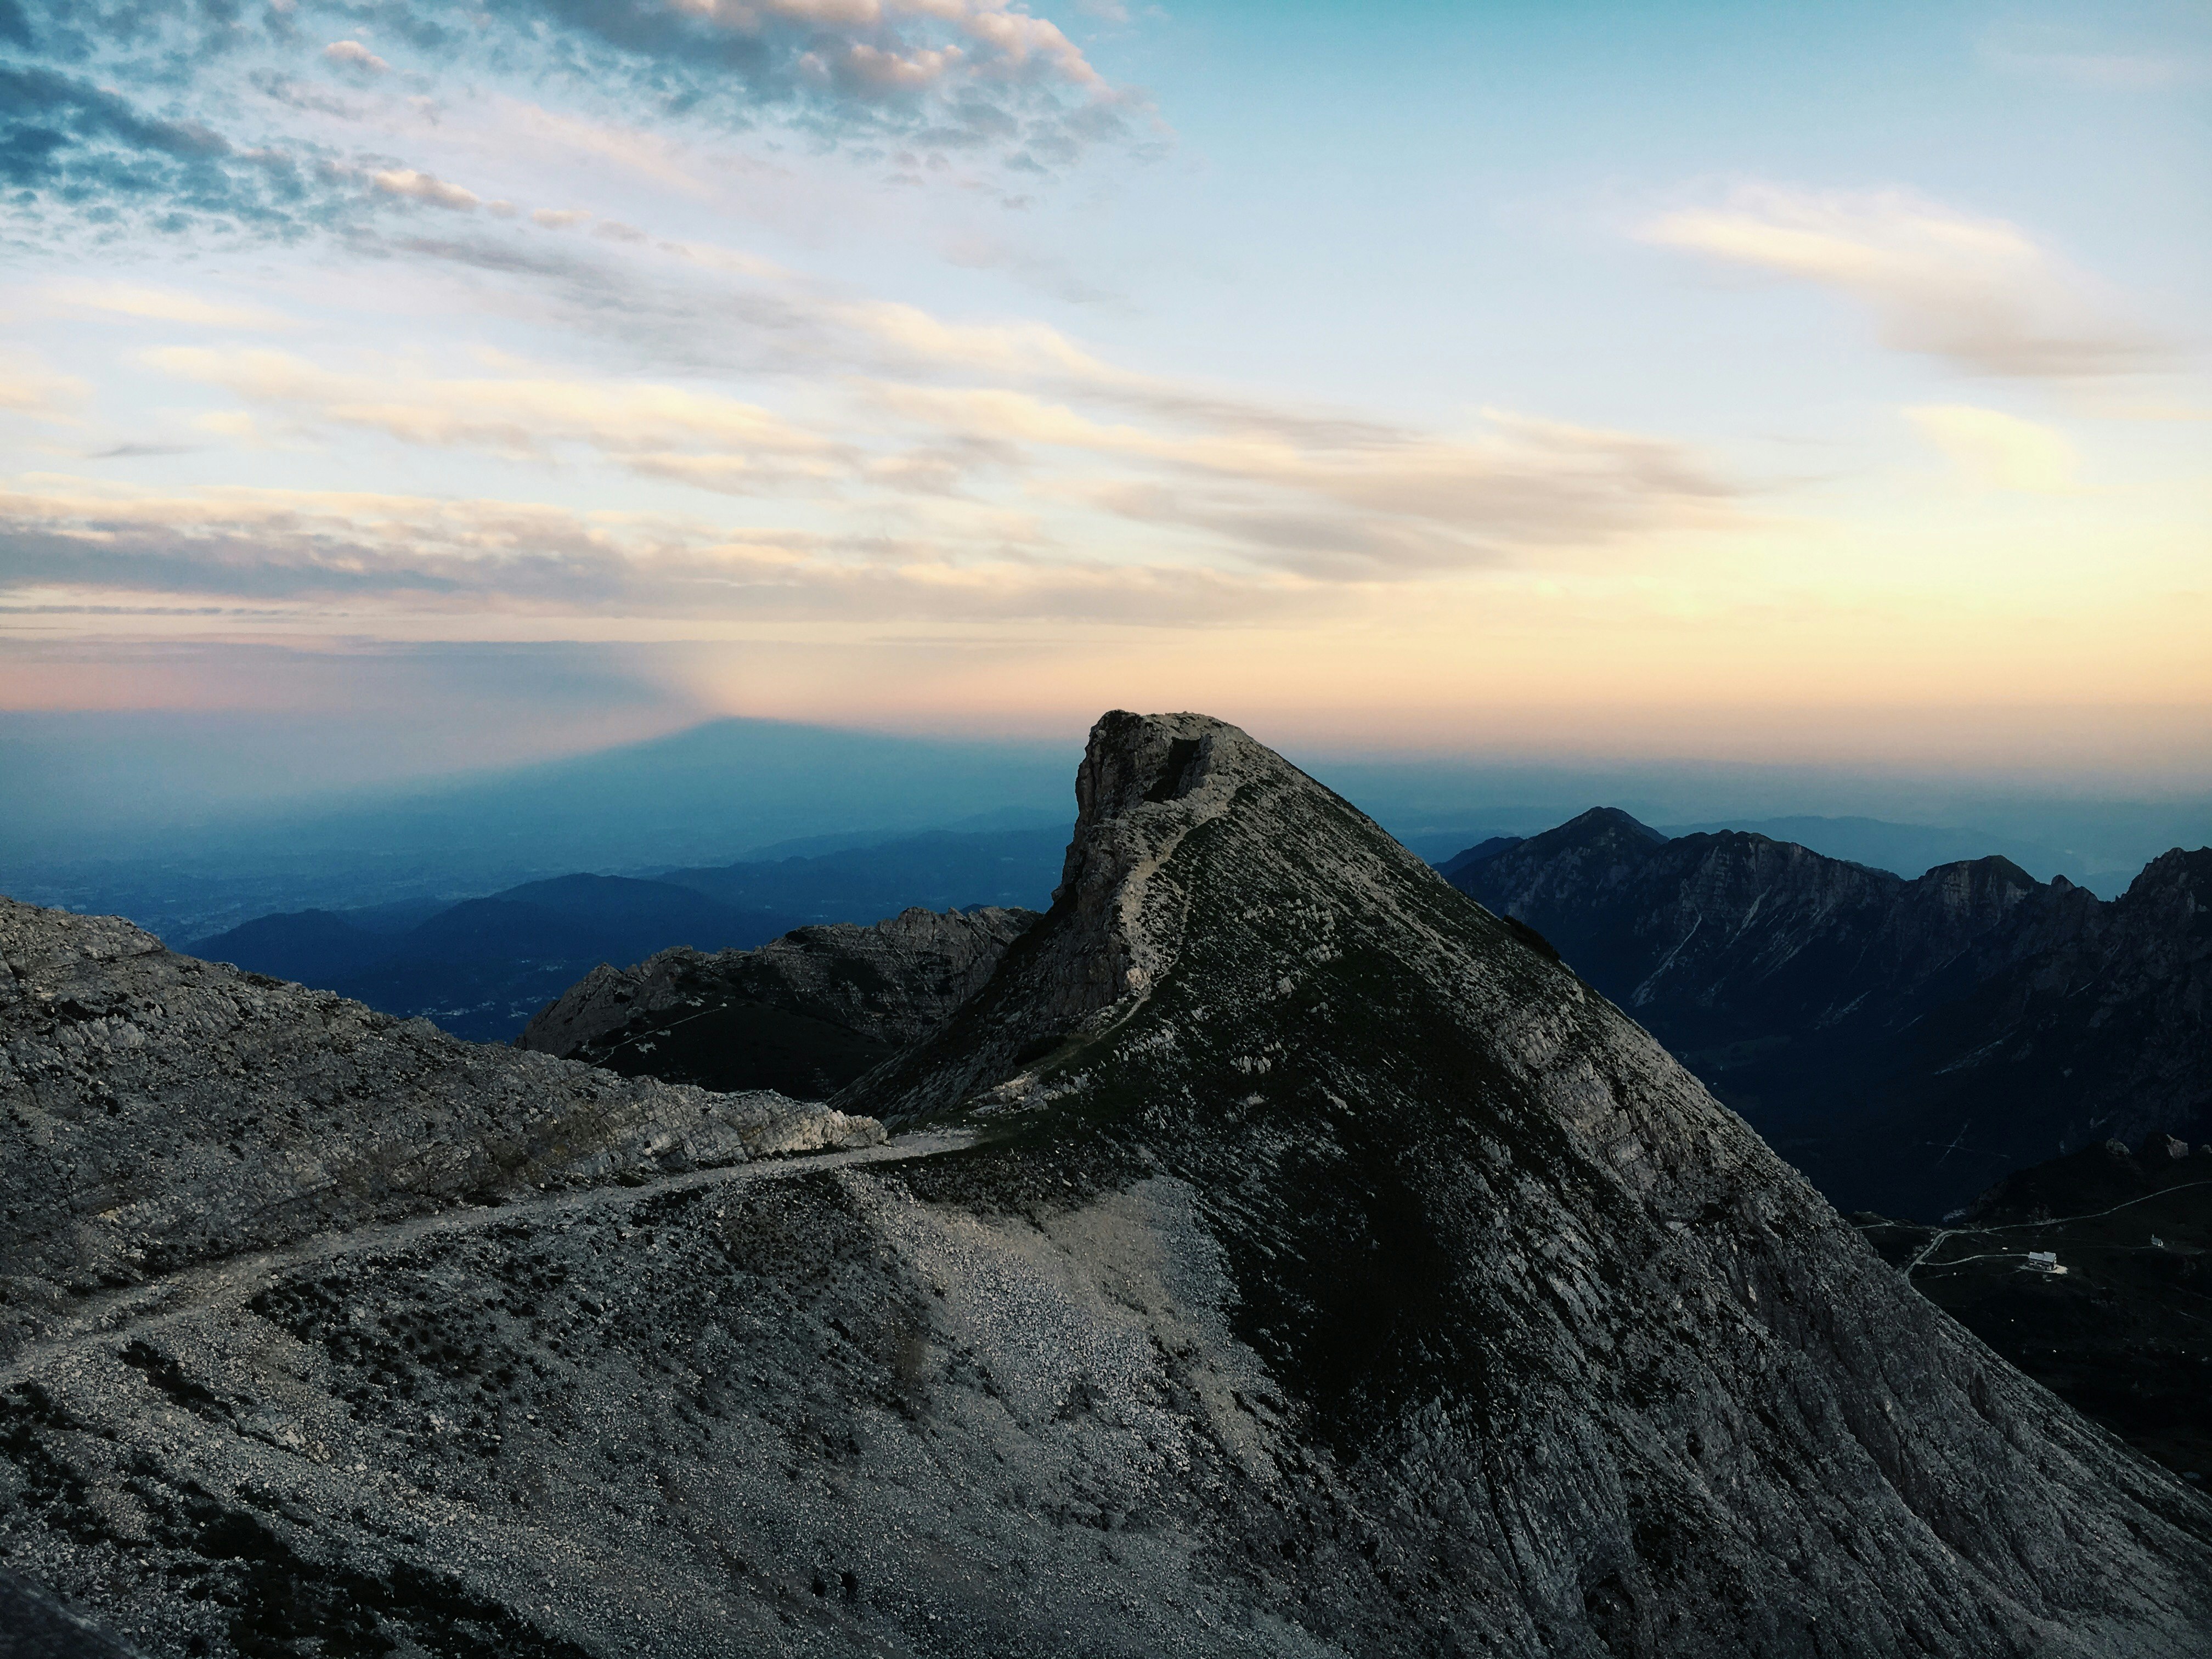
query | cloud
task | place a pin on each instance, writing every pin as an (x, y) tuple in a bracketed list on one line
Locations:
[(1977, 292), (1996, 450), (558, 218), (1361, 502), (887, 45), (659, 430), (165, 306), (647, 153), (351, 54), (979, 77), (28, 387), (70, 543), (425, 187), (89, 157), (164, 139), (2088, 58)]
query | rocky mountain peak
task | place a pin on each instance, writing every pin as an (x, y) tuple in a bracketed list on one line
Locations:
[(1150, 789), (1145, 782), (1605, 827)]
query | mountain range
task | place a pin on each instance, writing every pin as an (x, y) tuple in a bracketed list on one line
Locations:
[(481, 968), (1278, 1254), (1905, 1043)]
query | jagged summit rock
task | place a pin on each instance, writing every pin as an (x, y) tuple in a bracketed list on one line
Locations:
[(1312, 1268), (803, 1014)]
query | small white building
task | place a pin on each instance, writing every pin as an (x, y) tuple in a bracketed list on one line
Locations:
[(2043, 1261)]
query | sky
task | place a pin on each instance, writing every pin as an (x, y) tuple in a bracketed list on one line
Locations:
[(1742, 384)]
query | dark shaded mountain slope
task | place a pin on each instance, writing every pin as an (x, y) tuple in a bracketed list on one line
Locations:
[(1333, 1274), (805, 1014), (1904, 1042)]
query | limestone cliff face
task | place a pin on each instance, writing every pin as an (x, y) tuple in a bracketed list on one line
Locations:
[(161, 1111), (1905, 1042), (1282, 1258), (803, 1014)]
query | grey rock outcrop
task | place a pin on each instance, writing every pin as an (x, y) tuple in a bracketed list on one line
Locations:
[(1300, 1265), (156, 1111), (805, 1014)]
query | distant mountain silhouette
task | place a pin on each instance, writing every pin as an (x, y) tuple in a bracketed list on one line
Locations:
[(716, 789), (1904, 1042), (937, 870), (482, 967), (1911, 849)]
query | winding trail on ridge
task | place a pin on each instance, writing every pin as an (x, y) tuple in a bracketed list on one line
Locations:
[(216, 1286)]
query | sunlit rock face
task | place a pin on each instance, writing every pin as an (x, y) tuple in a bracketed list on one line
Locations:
[(1278, 1255)]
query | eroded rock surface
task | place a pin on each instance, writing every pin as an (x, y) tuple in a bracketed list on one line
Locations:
[(805, 1014), (1302, 1265), (157, 1111)]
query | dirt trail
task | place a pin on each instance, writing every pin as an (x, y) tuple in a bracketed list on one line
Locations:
[(234, 1280)]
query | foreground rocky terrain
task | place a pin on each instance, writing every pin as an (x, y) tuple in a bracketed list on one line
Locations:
[(806, 1014), (1905, 1043), (1278, 1255), (157, 1112)]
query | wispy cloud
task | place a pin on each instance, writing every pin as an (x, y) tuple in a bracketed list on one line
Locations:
[(68, 542), (1996, 450), (2092, 58), (351, 54), (650, 427), (1332, 499), (29, 388), (166, 305), (425, 187), (1365, 503), (1980, 294)]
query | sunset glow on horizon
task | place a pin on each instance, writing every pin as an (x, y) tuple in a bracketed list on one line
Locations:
[(964, 367)]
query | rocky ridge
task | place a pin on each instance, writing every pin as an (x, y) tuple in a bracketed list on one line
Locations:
[(805, 1014), (1300, 1263), (1904, 1042)]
